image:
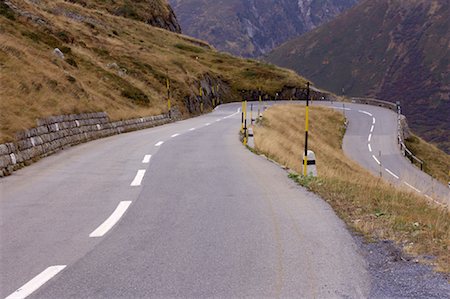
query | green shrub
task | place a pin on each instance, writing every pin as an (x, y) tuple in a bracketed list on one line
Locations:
[(6, 11), (135, 94)]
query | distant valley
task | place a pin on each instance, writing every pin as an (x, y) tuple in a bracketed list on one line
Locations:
[(250, 28)]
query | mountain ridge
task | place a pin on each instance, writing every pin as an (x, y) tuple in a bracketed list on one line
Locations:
[(251, 28), (392, 50)]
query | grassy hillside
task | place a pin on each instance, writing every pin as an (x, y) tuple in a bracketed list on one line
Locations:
[(436, 162), (110, 63), (367, 203), (153, 12), (394, 50)]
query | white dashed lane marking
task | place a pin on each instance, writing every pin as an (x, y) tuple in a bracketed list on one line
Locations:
[(370, 147), (146, 159), (376, 160), (38, 281), (138, 178), (175, 135), (369, 138), (112, 220), (159, 143), (191, 129), (391, 173)]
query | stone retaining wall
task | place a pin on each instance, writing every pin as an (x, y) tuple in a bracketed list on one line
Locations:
[(58, 132)]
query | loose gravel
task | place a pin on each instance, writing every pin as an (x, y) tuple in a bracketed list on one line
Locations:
[(397, 275)]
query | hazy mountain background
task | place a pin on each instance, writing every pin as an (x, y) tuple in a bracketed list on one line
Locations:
[(390, 49), (251, 28)]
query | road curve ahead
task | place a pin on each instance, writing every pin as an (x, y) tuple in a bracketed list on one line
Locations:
[(371, 140), (182, 210)]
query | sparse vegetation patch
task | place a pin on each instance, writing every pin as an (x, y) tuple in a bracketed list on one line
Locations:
[(368, 204)]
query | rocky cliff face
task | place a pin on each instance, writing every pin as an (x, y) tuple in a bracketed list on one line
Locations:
[(391, 49), (157, 13), (251, 28)]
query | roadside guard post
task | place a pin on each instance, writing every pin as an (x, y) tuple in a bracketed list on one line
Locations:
[(311, 168)]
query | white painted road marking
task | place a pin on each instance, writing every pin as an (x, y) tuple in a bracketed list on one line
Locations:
[(373, 120), (38, 281), (391, 173), (138, 178), (412, 187), (376, 160), (429, 197), (112, 220), (370, 137), (218, 119), (191, 129), (159, 143), (175, 135), (146, 159), (371, 129), (207, 124), (365, 112), (370, 148)]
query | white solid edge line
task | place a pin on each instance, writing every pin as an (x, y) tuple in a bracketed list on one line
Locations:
[(112, 220), (412, 187), (371, 129), (159, 143), (370, 148), (370, 137), (376, 160), (391, 173), (175, 135), (373, 120), (146, 159), (365, 112), (138, 178), (35, 283)]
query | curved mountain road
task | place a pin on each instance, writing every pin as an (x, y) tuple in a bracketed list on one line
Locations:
[(371, 140), (182, 210)]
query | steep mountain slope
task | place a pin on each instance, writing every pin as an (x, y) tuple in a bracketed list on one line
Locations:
[(57, 57), (154, 12), (394, 50), (251, 28)]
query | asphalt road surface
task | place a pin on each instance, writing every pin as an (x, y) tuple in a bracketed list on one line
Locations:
[(182, 210)]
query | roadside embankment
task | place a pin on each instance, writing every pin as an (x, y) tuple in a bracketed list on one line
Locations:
[(368, 204)]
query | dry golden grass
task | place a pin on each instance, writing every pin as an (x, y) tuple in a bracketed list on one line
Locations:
[(368, 204), (35, 83), (436, 162)]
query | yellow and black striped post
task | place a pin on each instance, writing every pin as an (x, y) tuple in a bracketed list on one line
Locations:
[(200, 92), (259, 102), (168, 93), (217, 95), (213, 97), (242, 116), (245, 123), (305, 158)]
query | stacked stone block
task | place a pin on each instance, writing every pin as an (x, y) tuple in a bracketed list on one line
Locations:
[(55, 133)]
